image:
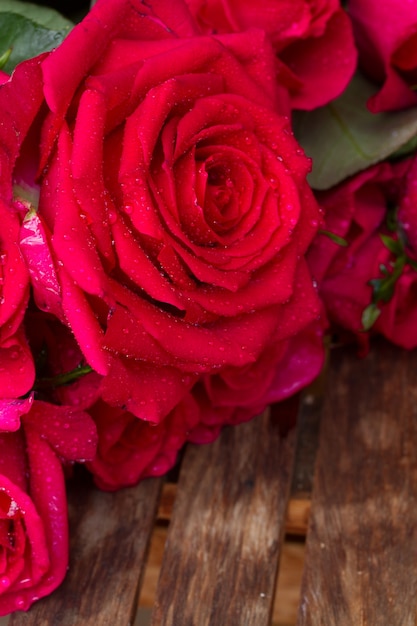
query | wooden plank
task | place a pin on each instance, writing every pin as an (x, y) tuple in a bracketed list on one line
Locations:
[(296, 518), (109, 539), (221, 557), (361, 566)]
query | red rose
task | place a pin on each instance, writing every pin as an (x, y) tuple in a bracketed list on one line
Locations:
[(33, 510), (386, 36), (313, 41), (360, 211), (174, 212)]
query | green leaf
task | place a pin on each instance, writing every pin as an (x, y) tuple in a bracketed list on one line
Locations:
[(4, 58), (336, 238), (383, 288), (28, 30), (393, 245), (370, 315), (63, 379), (344, 138), (408, 148), (44, 16)]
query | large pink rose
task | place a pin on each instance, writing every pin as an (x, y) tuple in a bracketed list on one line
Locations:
[(360, 210), (312, 39), (33, 509), (174, 212), (386, 36)]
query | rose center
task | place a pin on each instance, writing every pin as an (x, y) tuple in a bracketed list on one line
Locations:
[(220, 186), (9, 514)]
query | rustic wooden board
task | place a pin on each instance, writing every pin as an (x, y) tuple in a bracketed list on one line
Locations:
[(361, 566), (221, 556), (109, 538), (296, 519)]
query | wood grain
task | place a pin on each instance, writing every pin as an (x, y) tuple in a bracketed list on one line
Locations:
[(109, 538), (222, 551), (361, 566), (296, 518)]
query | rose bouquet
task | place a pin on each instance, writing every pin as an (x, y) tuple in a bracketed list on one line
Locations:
[(194, 195)]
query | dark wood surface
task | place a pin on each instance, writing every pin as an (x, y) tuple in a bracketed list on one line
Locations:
[(109, 538), (221, 558), (361, 557)]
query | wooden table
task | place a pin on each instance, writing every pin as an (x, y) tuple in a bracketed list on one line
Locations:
[(235, 501)]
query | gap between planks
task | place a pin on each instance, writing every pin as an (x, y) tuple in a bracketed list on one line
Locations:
[(296, 519)]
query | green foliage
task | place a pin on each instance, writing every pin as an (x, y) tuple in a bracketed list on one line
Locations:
[(27, 30), (344, 138), (370, 315), (383, 287), (335, 238)]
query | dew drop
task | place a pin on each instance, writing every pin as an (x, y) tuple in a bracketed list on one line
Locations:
[(19, 602), (4, 582), (112, 217)]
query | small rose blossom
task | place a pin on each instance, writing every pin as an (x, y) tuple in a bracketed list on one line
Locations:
[(386, 36), (33, 509), (360, 210)]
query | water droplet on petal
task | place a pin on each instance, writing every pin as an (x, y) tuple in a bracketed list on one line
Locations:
[(112, 217)]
